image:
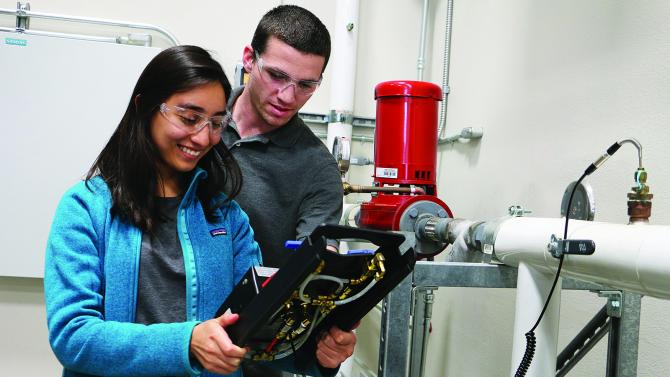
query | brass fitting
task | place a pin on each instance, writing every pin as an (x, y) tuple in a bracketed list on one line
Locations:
[(639, 199)]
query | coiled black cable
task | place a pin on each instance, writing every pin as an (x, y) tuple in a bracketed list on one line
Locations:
[(528, 354), (527, 358)]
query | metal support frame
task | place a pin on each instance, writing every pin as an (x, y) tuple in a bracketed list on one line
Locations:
[(622, 348), (401, 350), (585, 340), (620, 318)]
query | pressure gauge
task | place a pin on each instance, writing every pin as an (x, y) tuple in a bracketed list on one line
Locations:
[(583, 203), (342, 152)]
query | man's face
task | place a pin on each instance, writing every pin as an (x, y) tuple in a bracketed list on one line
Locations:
[(281, 80)]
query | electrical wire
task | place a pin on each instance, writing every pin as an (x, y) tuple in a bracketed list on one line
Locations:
[(316, 319), (335, 279), (357, 295)]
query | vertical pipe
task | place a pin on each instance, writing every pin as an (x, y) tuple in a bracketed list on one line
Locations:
[(417, 332), (343, 63), (446, 60), (532, 290), (426, 329), (343, 83), (422, 41)]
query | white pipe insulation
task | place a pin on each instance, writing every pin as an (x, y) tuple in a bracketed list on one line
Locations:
[(343, 63), (533, 287), (342, 87), (634, 258)]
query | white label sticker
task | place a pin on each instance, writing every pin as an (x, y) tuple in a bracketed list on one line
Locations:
[(265, 271), (386, 173)]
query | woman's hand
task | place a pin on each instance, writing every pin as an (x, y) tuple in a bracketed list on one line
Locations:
[(334, 347), (213, 348)]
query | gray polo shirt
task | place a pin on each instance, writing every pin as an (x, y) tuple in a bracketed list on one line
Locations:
[(291, 184)]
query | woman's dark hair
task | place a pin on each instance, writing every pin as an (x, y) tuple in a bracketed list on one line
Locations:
[(129, 161)]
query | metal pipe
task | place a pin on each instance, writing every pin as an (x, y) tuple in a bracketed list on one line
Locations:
[(422, 41), (61, 35), (91, 20), (638, 146), (446, 59), (361, 138), (348, 189), (426, 329)]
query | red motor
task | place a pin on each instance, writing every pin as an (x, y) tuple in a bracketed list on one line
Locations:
[(405, 156)]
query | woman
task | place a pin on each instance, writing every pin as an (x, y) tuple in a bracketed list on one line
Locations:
[(147, 247)]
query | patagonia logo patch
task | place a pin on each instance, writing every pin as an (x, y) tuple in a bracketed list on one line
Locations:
[(218, 232)]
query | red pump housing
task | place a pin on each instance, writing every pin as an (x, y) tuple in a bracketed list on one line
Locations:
[(405, 151)]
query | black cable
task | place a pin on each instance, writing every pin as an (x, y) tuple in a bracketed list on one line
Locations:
[(531, 341), (522, 369)]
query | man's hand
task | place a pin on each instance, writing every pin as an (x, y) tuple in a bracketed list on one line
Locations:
[(213, 348), (334, 347)]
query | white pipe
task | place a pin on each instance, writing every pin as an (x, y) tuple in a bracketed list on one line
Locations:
[(343, 58), (533, 288), (634, 258), (342, 86)]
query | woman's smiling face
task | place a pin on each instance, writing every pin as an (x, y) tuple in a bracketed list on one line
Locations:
[(180, 151)]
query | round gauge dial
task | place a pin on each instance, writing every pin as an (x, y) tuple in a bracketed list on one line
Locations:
[(583, 203)]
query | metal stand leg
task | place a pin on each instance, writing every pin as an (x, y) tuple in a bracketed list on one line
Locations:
[(624, 334), (395, 334), (401, 354)]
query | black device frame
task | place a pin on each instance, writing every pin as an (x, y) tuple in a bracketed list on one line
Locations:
[(256, 307)]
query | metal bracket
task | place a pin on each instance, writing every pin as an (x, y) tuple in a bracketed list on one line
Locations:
[(135, 39), (22, 19), (518, 211), (336, 116), (558, 247), (614, 302)]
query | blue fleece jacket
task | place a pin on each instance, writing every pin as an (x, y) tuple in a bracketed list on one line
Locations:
[(92, 262)]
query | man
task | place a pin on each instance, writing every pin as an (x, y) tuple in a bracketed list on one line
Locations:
[(291, 181)]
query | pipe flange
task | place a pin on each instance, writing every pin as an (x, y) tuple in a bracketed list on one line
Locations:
[(426, 246)]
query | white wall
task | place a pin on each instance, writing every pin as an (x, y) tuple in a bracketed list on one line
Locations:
[(552, 83)]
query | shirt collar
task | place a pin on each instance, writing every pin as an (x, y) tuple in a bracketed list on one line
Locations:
[(285, 136)]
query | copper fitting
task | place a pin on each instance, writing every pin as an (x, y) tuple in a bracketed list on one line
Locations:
[(349, 188), (639, 211)]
